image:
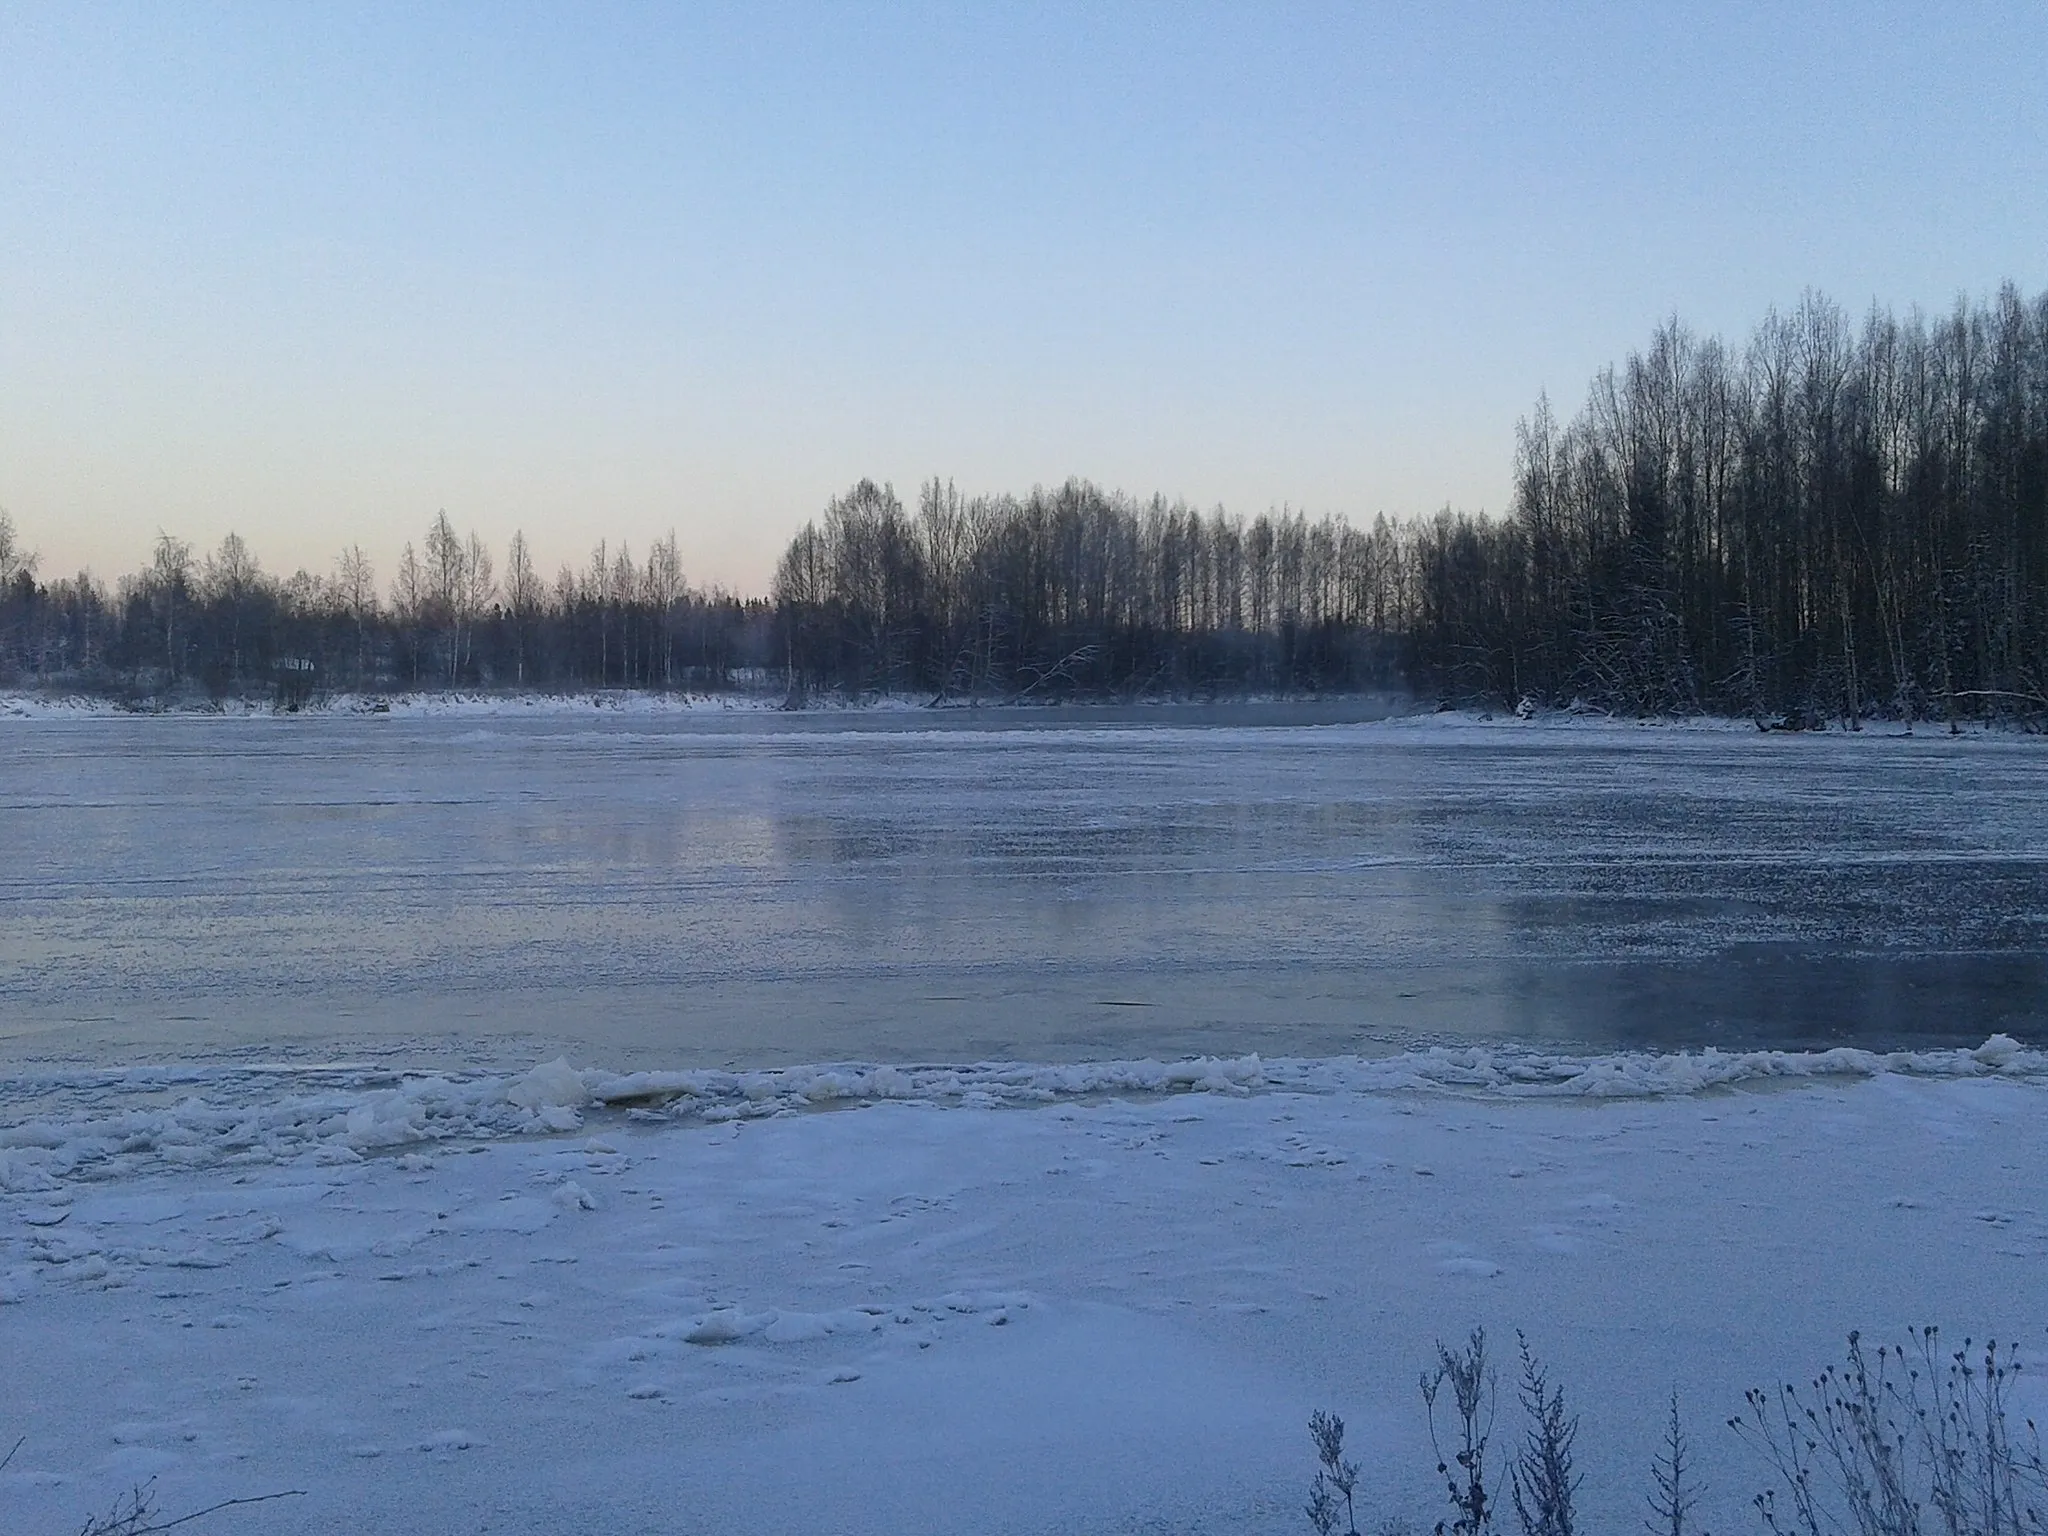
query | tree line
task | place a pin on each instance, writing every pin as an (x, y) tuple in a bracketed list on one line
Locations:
[(1831, 521), (1078, 591), (450, 618)]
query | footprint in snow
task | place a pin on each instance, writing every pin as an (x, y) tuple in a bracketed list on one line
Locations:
[(130, 1210), (726, 1326), (1594, 1202), (513, 1213), (141, 1462), (731, 1325), (1471, 1269), (137, 1433)]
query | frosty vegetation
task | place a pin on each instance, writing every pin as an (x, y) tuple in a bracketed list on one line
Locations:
[(136, 1512), (1910, 1439), (1831, 521)]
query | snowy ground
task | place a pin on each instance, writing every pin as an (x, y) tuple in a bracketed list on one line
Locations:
[(60, 706), (501, 704), (880, 1300)]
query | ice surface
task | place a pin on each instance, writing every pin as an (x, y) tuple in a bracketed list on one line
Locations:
[(660, 889), (1006, 1298)]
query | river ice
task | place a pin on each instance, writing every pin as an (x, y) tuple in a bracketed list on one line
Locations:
[(1490, 1023), (697, 890)]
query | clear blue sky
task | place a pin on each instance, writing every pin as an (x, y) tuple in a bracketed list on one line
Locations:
[(312, 271)]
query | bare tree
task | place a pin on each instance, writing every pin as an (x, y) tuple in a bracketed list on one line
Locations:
[(665, 590), (355, 586), (411, 604), (523, 598), (479, 588), (170, 587), (595, 594), (621, 589), (14, 560), (447, 585), (228, 582)]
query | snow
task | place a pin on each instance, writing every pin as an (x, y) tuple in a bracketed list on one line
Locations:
[(459, 704), (239, 1118), (1003, 1297), (437, 705), (498, 704)]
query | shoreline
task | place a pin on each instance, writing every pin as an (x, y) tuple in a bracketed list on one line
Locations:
[(902, 711)]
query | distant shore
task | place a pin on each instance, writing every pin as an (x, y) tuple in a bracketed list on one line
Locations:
[(899, 711), (485, 703)]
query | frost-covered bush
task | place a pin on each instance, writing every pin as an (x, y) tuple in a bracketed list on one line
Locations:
[(1906, 1440), (135, 1513)]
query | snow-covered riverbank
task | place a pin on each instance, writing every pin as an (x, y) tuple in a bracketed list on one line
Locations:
[(1399, 712), (427, 705), (739, 704), (1075, 1298)]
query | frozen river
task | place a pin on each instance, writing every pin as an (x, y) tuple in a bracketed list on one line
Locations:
[(706, 890)]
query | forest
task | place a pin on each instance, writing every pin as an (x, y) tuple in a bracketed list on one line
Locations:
[(1835, 521), (219, 626)]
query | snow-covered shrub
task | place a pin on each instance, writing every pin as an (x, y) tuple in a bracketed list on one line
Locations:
[(1543, 1480), (1908, 1441), (135, 1513), (1330, 1496), (1474, 1390)]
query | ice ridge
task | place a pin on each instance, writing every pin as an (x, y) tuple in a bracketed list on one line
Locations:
[(235, 1116)]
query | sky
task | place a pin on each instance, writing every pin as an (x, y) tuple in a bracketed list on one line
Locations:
[(314, 273)]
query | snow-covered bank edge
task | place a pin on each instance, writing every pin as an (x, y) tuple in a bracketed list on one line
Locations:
[(1395, 713), (486, 704), (233, 1116), (461, 705)]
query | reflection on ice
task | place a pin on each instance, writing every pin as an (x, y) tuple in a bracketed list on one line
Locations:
[(655, 891)]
